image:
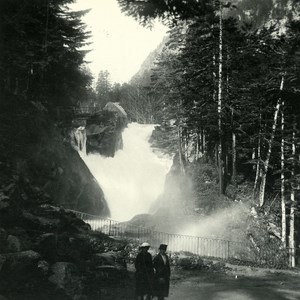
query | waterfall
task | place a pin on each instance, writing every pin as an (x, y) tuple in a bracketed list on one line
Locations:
[(134, 178), (80, 138)]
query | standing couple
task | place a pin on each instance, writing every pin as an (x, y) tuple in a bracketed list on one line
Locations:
[(152, 278)]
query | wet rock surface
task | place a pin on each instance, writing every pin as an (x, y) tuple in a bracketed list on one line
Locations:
[(104, 130)]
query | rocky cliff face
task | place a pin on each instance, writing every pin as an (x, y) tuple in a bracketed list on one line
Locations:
[(104, 130), (46, 252), (63, 175), (34, 153)]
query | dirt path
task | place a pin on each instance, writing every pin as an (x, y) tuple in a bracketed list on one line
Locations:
[(235, 285)]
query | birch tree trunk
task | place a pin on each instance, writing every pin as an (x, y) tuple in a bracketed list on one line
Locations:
[(220, 150), (204, 142), (258, 169), (233, 159), (270, 143), (283, 204), (292, 211)]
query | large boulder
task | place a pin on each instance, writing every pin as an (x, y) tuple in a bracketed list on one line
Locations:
[(66, 276), (18, 265), (104, 130)]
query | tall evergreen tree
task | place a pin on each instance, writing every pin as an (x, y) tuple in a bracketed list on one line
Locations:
[(40, 51), (103, 88)]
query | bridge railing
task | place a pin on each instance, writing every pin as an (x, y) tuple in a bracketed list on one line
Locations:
[(76, 110), (202, 246), (85, 110)]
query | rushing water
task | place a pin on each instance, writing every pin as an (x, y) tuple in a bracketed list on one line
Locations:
[(134, 178)]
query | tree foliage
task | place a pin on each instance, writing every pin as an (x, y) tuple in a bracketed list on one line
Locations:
[(226, 79), (103, 88), (41, 57)]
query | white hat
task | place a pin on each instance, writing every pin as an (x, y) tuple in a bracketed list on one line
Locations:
[(145, 245)]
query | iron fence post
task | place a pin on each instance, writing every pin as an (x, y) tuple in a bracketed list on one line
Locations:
[(109, 227), (228, 249)]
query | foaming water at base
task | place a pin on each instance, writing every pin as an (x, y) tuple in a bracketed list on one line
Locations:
[(134, 178)]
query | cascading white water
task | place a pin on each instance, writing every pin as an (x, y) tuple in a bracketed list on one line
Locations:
[(134, 178)]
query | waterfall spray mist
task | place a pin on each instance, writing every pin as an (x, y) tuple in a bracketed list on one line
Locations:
[(228, 223), (134, 178)]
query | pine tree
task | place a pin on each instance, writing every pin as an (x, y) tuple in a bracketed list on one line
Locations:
[(40, 51), (103, 88)]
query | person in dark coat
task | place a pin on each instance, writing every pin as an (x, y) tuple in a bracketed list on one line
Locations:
[(144, 274), (162, 273)]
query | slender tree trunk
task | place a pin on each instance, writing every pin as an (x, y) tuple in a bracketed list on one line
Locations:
[(181, 163), (283, 208), (292, 211), (199, 144), (220, 83), (270, 143), (253, 157), (233, 146), (46, 39), (186, 146), (204, 142), (233, 159), (258, 168)]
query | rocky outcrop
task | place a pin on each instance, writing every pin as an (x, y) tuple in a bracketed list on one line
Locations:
[(46, 252), (104, 130), (36, 158), (66, 179)]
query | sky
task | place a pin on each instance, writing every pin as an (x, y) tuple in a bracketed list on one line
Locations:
[(119, 43)]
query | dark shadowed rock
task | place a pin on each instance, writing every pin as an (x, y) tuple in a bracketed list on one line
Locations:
[(3, 200), (66, 276), (104, 259), (108, 268), (104, 130), (3, 240), (43, 267), (2, 261), (46, 245), (20, 264), (68, 181), (13, 244), (40, 222)]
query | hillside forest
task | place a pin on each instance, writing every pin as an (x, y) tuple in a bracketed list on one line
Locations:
[(223, 86)]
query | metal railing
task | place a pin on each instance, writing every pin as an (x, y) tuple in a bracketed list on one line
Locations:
[(202, 246)]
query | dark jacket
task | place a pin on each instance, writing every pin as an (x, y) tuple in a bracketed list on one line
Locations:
[(144, 274), (161, 276)]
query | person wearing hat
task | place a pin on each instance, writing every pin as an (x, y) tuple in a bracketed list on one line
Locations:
[(144, 273), (162, 273)]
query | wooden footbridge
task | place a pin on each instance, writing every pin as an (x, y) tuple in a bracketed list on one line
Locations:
[(77, 112)]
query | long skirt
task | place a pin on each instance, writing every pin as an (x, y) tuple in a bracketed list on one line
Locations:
[(161, 287), (143, 286)]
